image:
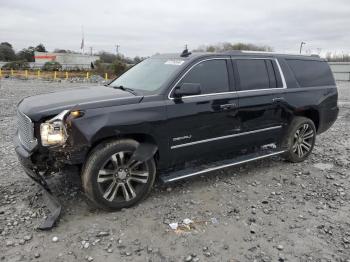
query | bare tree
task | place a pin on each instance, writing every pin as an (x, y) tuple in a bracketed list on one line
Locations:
[(226, 46)]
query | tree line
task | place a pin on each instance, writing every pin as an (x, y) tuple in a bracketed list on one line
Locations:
[(226, 46), (108, 62), (333, 57), (113, 64), (8, 54)]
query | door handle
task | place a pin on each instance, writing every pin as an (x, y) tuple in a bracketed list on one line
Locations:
[(228, 106), (278, 99)]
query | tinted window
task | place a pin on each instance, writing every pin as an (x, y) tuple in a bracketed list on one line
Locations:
[(211, 75), (253, 74), (311, 73)]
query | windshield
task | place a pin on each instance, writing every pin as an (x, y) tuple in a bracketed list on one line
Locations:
[(149, 75)]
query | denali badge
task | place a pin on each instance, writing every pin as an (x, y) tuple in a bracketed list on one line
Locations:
[(182, 138)]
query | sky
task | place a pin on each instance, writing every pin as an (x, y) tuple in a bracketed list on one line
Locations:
[(146, 27)]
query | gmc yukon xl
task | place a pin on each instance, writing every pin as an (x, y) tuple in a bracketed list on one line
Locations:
[(177, 116)]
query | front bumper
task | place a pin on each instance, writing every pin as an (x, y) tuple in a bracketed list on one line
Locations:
[(24, 157)]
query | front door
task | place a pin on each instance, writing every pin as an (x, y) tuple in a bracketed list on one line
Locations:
[(203, 124)]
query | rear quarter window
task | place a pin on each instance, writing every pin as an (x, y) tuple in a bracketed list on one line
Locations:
[(310, 73)]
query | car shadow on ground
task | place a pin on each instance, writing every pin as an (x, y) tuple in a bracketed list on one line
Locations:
[(67, 188)]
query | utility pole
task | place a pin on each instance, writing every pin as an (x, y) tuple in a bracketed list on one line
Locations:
[(82, 46), (117, 49), (301, 46)]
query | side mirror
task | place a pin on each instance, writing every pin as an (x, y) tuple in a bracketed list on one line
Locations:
[(187, 89)]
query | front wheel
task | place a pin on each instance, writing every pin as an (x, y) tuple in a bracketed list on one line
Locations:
[(300, 139), (112, 180)]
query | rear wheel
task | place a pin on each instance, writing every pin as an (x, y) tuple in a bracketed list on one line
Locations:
[(300, 139), (112, 180)]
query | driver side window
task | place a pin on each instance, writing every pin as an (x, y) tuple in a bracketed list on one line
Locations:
[(212, 76)]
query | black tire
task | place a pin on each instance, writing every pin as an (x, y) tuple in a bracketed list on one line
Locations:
[(293, 138), (107, 153)]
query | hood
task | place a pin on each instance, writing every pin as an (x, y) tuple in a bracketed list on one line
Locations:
[(36, 107)]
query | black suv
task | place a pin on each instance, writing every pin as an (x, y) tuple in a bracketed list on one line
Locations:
[(176, 116)]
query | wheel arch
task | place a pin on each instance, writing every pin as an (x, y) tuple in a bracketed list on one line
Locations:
[(142, 138), (312, 114)]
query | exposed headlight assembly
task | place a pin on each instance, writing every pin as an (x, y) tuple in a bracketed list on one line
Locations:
[(53, 132)]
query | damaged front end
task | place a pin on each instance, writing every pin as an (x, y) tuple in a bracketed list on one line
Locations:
[(44, 149)]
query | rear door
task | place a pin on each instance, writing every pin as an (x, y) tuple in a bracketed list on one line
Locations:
[(261, 94), (203, 123)]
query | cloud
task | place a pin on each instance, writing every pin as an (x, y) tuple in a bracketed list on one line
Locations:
[(146, 27)]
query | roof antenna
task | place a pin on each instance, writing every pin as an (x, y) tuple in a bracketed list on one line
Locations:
[(185, 52)]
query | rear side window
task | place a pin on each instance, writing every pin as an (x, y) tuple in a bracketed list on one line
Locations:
[(212, 75), (253, 74), (310, 73)]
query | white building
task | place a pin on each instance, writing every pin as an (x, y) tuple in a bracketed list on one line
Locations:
[(67, 60)]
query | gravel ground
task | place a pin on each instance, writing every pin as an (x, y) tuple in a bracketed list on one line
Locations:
[(269, 210)]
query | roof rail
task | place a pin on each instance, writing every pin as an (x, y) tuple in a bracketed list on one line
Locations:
[(275, 53), (259, 52)]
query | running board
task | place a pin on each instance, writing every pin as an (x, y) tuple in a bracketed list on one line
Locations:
[(190, 172)]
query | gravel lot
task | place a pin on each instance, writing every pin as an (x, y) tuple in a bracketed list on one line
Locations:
[(269, 210)]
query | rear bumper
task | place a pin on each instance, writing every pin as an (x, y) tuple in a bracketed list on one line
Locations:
[(327, 118)]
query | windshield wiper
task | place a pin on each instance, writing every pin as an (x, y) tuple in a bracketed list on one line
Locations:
[(128, 89)]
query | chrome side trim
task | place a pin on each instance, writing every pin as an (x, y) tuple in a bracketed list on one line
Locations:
[(212, 94), (224, 166), (284, 83), (224, 137), (281, 73)]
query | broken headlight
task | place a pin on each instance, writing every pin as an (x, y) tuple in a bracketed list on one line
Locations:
[(53, 132)]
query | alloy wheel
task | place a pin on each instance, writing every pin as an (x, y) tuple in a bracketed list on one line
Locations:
[(303, 140), (121, 178)]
